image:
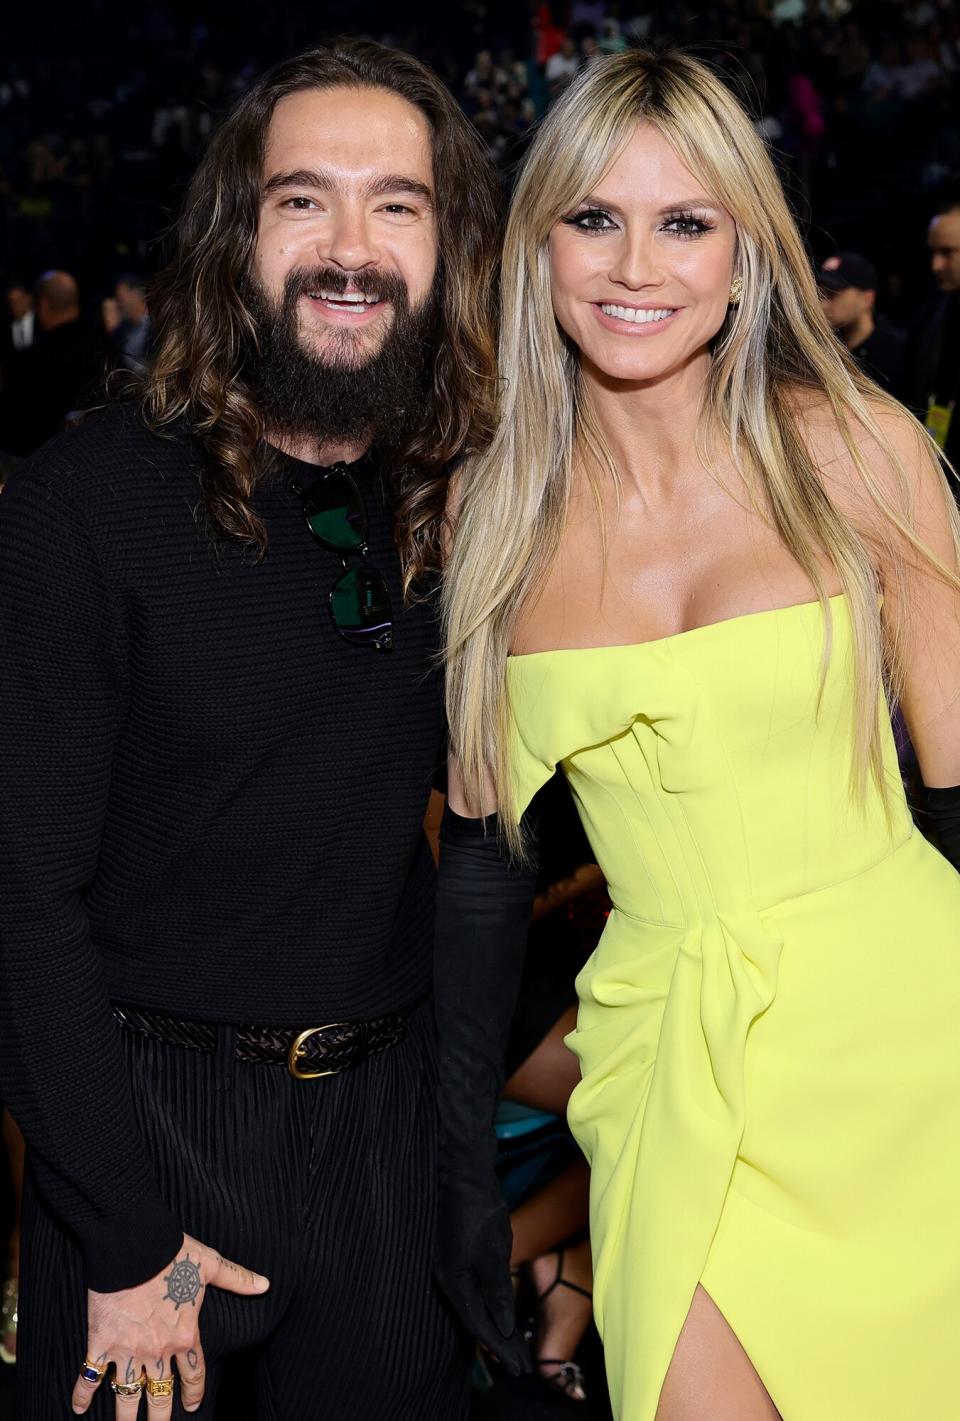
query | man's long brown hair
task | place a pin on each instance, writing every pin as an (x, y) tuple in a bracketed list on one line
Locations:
[(204, 329)]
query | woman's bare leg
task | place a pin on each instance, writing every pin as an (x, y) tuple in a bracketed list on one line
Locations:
[(545, 1080), (556, 1212), (711, 1378)]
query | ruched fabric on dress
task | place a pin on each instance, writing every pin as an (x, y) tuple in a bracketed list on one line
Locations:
[(713, 780)]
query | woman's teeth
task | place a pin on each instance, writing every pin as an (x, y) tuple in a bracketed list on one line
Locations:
[(634, 314)]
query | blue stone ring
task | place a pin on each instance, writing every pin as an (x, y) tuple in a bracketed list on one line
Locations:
[(91, 1372)]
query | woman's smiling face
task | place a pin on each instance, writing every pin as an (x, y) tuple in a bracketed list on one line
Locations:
[(641, 269)]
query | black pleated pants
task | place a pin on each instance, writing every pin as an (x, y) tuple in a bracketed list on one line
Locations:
[(325, 1186)]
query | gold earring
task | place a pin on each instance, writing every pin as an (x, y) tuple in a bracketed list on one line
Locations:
[(736, 291)]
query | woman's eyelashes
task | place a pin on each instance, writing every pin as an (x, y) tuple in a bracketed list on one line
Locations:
[(687, 224), (591, 219), (682, 224)]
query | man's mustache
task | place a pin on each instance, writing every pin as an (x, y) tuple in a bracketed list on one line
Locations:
[(384, 285)]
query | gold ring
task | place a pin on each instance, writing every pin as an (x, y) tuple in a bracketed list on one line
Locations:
[(93, 1372), (159, 1386), (128, 1388)]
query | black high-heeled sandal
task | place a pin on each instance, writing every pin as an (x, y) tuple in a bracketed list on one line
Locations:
[(568, 1380)]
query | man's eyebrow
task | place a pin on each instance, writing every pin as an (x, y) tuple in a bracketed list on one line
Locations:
[(324, 182), (302, 177), (398, 182)]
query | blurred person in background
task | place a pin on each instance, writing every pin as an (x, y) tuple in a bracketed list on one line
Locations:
[(848, 293), (21, 328), (933, 355), (61, 369), (562, 66), (126, 321)]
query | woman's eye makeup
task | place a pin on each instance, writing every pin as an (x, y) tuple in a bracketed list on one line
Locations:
[(687, 224), (591, 219), (682, 223)]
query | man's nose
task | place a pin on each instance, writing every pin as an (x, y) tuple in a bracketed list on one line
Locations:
[(350, 243)]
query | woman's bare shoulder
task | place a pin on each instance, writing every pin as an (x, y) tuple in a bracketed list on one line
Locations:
[(884, 444)]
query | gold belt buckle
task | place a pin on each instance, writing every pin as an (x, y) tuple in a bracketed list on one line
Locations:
[(297, 1053)]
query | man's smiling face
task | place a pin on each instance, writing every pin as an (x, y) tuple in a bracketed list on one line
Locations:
[(347, 221)]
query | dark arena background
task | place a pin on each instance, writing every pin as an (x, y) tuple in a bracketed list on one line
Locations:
[(105, 107)]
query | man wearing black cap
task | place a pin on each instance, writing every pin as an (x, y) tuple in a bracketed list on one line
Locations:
[(848, 292)]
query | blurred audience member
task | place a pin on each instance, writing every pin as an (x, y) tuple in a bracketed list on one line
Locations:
[(882, 78), (934, 351), (562, 66), (61, 368), (127, 323), (20, 331), (848, 293), (921, 73)]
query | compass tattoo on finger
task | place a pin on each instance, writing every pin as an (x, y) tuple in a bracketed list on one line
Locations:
[(183, 1283)]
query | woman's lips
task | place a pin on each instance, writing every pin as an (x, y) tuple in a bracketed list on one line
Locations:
[(635, 320)]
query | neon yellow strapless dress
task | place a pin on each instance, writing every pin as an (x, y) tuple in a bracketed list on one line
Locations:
[(769, 1028)]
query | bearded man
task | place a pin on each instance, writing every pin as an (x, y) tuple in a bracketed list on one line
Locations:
[(221, 718)]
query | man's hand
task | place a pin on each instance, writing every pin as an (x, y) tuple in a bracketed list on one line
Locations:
[(142, 1330)]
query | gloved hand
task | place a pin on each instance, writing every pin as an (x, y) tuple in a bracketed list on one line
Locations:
[(473, 1267), (484, 904), (938, 814)]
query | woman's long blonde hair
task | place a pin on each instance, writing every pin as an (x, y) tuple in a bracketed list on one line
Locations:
[(774, 346)]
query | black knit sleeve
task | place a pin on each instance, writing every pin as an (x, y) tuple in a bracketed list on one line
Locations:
[(62, 683)]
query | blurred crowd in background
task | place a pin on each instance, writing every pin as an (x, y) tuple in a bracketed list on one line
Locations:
[(99, 133)]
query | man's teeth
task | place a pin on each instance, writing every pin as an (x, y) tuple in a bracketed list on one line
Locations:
[(634, 314), (346, 298)]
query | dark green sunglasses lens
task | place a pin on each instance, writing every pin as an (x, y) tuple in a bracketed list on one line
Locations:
[(335, 513), (361, 610)]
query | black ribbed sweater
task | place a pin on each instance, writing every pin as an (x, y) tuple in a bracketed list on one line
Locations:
[(210, 804)]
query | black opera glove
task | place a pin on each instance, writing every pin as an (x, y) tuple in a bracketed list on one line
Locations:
[(484, 905), (939, 815)]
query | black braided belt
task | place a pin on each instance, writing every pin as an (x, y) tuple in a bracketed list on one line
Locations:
[(318, 1051)]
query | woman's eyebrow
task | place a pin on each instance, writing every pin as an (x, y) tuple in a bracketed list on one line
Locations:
[(597, 200)]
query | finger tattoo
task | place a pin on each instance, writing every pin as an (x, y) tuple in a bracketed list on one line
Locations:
[(128, 1374), (183, 1283), (193, 1359)]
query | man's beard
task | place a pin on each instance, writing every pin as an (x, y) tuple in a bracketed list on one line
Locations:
[(341, 395)]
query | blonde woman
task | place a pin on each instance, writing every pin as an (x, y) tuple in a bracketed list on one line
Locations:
[(698, 549)]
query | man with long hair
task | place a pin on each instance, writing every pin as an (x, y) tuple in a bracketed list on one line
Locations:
[(222, 716)]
